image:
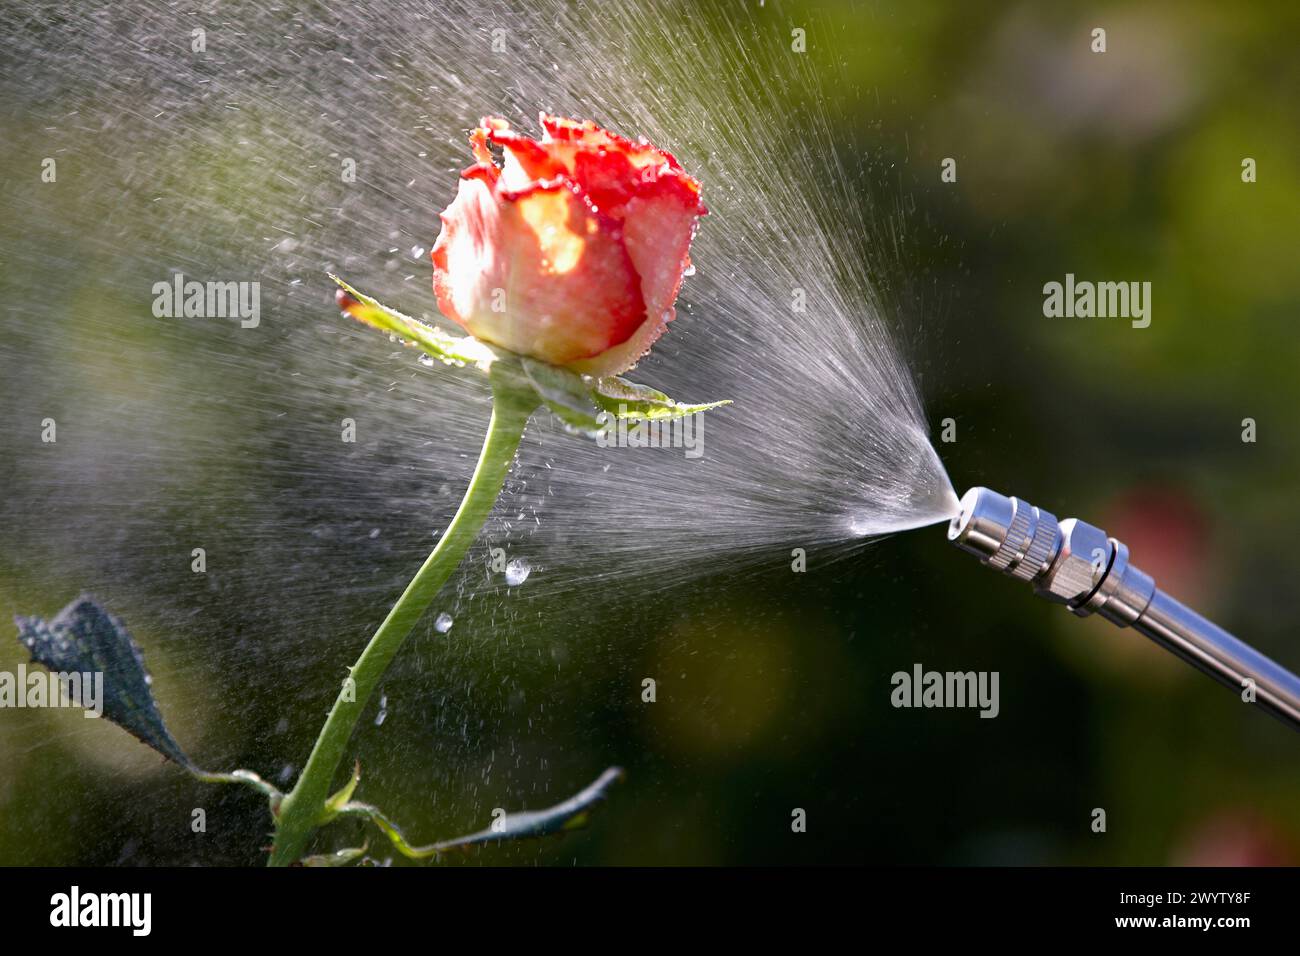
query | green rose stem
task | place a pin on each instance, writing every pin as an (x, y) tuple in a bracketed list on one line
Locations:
[(303, 809)]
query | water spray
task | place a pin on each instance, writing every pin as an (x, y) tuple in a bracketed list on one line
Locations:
[(1074, 563)]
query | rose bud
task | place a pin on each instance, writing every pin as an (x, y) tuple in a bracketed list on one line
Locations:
[(572, 250)]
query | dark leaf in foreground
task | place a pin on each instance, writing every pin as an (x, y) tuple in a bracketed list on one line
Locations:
[(572, 814), (85, 638)]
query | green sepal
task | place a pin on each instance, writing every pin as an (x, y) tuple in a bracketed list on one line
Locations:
[(581, 402), (458, 350), (564, 393), (624, 399)]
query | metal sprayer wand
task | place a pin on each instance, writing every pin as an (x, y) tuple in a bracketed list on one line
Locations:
[(1078, 565)]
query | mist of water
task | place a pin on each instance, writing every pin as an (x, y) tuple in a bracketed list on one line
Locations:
[(183, 434), (226, 165)]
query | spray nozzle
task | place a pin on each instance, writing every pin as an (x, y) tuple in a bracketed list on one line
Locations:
[(1064, 560), (1077, 564)]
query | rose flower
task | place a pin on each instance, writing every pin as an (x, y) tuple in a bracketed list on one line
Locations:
[(573, 250)]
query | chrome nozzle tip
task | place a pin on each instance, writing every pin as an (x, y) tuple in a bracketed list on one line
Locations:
[(1012, 536), (982, 522)]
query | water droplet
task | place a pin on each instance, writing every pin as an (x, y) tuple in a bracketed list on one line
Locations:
[(383, 710), (517, 571), (690, 270), (442, 623), (374, 532), (426, 360), (417, 252)]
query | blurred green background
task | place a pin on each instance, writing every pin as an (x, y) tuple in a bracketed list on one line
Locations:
[(773, 687)]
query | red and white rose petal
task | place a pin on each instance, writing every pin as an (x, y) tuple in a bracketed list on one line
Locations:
[(536, 271), (572, 250)]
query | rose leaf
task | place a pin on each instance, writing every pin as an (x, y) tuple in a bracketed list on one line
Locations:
[(84, 639)]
